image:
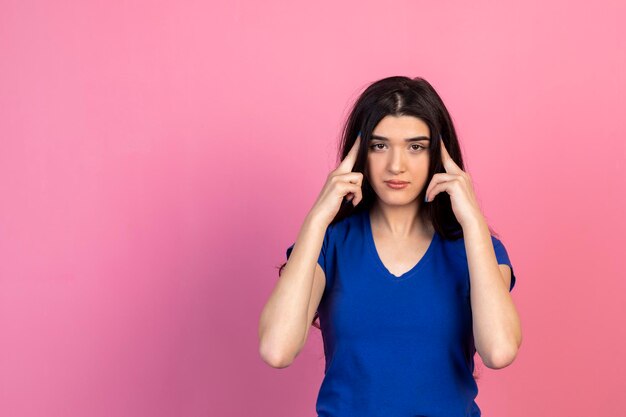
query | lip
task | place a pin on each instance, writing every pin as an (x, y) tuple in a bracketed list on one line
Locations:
[(397, 185)]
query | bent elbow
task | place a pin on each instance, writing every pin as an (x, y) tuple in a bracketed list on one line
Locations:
[(278, 362), (274, 359), (501, 359)]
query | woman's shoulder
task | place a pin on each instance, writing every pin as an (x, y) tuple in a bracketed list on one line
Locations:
[(352, 220), (453, 248), (457, 245), (350, 224)]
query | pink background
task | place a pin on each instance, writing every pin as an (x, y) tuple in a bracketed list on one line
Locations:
[(157, 159)]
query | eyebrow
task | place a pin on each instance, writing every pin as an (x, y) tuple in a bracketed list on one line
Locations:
[(415, 139)]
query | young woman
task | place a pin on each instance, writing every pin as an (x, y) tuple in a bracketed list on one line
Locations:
[(399, 264)]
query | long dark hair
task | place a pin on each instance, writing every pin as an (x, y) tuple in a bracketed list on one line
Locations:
[(402, 96)]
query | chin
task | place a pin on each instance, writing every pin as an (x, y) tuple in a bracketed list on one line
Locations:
[(397, 200)]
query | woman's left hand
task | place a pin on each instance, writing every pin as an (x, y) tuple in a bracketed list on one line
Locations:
[(458, 184)]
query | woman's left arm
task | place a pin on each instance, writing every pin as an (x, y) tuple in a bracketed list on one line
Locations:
[(496, 323)]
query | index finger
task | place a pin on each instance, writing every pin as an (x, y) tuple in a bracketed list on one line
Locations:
[(444, 152), (348, 162), (448, 163)]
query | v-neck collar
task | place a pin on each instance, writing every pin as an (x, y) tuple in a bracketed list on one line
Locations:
[(374, 252)]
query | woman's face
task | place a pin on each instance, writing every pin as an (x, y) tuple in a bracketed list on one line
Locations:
[(391, 157)]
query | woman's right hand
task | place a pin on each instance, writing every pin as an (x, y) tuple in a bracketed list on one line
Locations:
[(341, 182)]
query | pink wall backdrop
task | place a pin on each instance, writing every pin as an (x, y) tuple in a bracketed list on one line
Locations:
[(157, 158)]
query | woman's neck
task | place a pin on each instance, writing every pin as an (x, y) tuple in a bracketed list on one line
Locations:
[(399, 221)]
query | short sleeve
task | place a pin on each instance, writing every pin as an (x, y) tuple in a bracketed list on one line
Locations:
[(321, 260), (503, 257)]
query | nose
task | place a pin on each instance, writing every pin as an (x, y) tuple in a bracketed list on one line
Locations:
[(396, 162)]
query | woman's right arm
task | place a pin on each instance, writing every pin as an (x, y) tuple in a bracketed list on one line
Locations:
[(287, 315)]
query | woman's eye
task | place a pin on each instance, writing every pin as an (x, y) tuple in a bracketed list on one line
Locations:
[(419, 147)]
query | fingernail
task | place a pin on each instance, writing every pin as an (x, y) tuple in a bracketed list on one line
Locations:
[(359, 134), (425, 199)]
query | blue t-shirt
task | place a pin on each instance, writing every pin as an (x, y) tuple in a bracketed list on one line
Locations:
[(396, 346)]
